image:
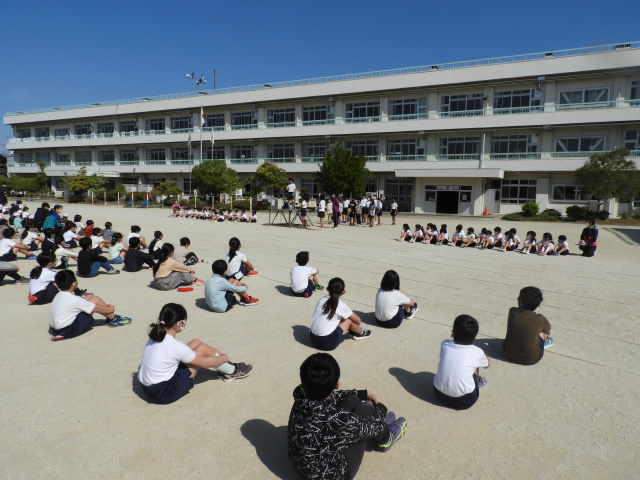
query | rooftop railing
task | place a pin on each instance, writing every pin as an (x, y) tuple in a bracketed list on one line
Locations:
[(357, 76)]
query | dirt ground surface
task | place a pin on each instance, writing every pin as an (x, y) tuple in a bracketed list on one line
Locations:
[(74, 410)]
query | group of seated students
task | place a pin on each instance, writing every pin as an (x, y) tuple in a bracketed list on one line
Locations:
[(214, 215), (507, 242)]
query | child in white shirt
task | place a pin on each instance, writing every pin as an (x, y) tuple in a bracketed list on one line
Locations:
[(304, 279)]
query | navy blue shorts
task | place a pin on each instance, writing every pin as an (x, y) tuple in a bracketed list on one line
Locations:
[(231, 300), (307, 292), (173, 389), (303, 212), (47, 295), (8, 257), (80, 325), (328, 342), (395, 321), (460, 403), (289, 195)]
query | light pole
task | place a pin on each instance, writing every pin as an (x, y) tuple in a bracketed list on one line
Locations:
[(201, 82), (192, 76)]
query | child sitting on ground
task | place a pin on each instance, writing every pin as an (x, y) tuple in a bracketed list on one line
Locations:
[(329, 429), (169, 274), (156, 244), (458, 237), (97, 241), (238, 265), (562, 248), (405, 234), (135, 232), (457, 383), (107, 233), (117, 249), (418, 236), (42, 288), (304, 279), (70, 315), (90, 262), (589, 239), (527, 332), (546, 245), (136, 258), (392, 304), (219, 292), (469, 239), (9, 249), (181, 254), (169, 367), (529, 243), (333, 320)]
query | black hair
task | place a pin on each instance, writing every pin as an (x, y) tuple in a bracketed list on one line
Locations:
[(45, 205), (465, 329), (134, 242), (43, 260), (290, 179), (513, 230), (302, 258), (562, 238), (547, 236), (459, 228), (64, 279), (4, 221), (96, 231), (219, 267), (497, 229), (508, 234), (184, 241), (591, 221), (115, 237), (165, 252), (530, 298), (85, 243), (532, 233), (405, 226), (8, 232), (170, 314), (89, 222), (319, 375), (335, 289), (107, 225), (27, 224), (470, 230), (443, 228), (68, 225), (77, 218), (390, 281), (157, 235), (135, 229), (56, 207), (418, 226), (49, 233), (59, 239), (234, 246)]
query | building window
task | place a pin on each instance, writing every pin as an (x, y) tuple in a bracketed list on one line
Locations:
[(281, 117), (635, 93), (63, 157), (513, 146), (107, 157), (244, 120), (128, 126), (180, 153), (154, 124), (42, 132), (516, 101), (570, 193), (314, 151), (318, 115), (281, 151), (408, 108), (61, 132), (580, 144), (518, 191), (156, 155), (42, 157), (467, 104), (23, 133), (405, 149), (83, 157), (128, 156), (214, 121), (25, 157), (84, 129), (105, 128), (593, 96), (401, 190), (309, 186), (368, 148), (242, 151), (213, 153), (632, 140), (362, 112), (460, 148), (180, 123)]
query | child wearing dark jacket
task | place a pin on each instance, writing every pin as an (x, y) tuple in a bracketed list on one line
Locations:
[(90, 262)]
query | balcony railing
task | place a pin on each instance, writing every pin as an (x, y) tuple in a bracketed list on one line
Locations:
[(280, 124), (406, 158), (586, 154), (458, 156), (408, 116), (245, 126), (326, 121), (362, 119), (514, 156), (586, 106), (243, 161)]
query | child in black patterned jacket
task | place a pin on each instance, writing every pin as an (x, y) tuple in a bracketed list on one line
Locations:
[(329, 429)]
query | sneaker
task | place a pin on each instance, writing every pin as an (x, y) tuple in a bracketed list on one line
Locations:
[(198, 282), (362, 335), (119, 321), (22, 280), (57, 338), (396, 431), (482, 381), (413, 311), (549, 343), (242, 370), (113, 271), (318, 288), (32, 299), (31, 257), (248, 301), (252, 274), (390, 418)]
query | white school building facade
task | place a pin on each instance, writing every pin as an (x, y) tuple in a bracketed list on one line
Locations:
[(448, 138)]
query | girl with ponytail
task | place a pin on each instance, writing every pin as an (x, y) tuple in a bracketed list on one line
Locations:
[(333, 319), (169, 367), (169, 274), (42, 288), (238, 265)]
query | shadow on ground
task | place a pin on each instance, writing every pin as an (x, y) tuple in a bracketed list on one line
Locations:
[(301, 335), (270, 443), (136, 387), (630, 236), (284, 290), (419, 384), (202, 304), (492, 347), (368, 318)]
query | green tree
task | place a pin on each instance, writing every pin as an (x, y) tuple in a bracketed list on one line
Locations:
[(343, 172), (269, 177), (42, 178), (83, 183), (213, 177), (608, 175), (22, 184), (168, 189)]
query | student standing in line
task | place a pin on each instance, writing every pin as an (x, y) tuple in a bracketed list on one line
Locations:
[(394, 211), (322, 208)]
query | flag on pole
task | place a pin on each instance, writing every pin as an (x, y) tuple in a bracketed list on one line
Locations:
[(202, 120), (189, 141), (212, 138)]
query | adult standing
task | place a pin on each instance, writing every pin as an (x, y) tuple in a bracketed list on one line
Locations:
[(4, 194), (336, 206)]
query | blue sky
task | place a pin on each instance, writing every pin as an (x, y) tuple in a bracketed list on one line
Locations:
[(64, 53)]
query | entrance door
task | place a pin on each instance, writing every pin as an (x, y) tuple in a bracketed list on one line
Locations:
[(447, 202)]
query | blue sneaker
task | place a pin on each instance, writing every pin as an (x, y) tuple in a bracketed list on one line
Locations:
[(120, 321), (549, 343), (396, 431)]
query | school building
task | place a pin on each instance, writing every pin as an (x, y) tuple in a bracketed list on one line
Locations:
[(442, 138)]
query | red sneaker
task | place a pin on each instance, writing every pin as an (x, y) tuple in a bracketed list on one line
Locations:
[(252, 274), (249, 301), (32, 299)]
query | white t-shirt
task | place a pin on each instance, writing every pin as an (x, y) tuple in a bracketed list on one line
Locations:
[(6, 244), (562, 245), (38, 284), (69, 235), (95, 241), (387, 303), (304, 204), (129, 235), (394, 206), (66, 307), (233, 266), (346, 203), (160, 360), (457, 365), (291, 187), (323, 206), (300, 277), (30, 238), (321, 324)]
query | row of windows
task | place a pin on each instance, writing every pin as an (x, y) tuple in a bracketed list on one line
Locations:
[(466, 104)]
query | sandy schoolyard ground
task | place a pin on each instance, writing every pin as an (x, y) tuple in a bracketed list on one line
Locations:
[(72, 409)]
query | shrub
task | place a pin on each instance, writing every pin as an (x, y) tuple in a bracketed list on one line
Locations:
[(550, 212), (577, 212), (636, 214), (513, 217), (600, 215), (530, 209)]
